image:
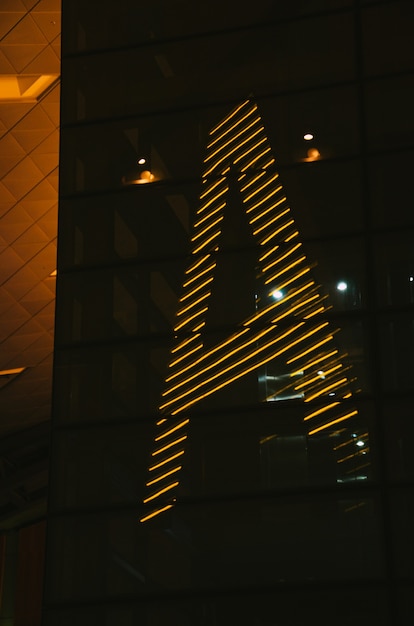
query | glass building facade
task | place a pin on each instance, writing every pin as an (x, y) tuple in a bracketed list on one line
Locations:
[(234, 369)]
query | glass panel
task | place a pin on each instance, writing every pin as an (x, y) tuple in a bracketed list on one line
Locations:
[(388, 38), (275, 446), (389, 106), (219, 545), (285, 603), (326, 196), (142, 221), (191, 71), (391, 189), (402, 516), (399, 435), (397, 344), (394, 265), (89, 30), (173, 144)]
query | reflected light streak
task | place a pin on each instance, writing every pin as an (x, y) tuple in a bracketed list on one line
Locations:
[(333, 422), (172, 430), (188, 319), (271, 208), (152, 468), (160, 492), (168, 445), (207, 241), (204, 271), (155, 513), (231, 115), (162, 476)]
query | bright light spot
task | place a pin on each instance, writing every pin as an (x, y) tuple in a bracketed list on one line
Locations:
[(141, 161), (277, 294), (313, 153), (331, 394), (308, 137), (360, 443), (411, 279), (321, 374), (342, 286)]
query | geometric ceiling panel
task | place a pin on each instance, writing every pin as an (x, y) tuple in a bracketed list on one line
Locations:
[(29, 158)]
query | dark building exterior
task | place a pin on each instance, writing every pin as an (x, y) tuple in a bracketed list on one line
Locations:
[(234, 370)]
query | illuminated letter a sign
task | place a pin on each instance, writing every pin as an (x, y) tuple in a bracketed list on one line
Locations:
[(289, 325)]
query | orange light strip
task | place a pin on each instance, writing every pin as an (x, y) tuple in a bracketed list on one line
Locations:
[(155, 513), (320, 411), (207, 241), (188, 319), (231, 367), (193, 304), (212, 200), (269, 195), (211, 187), (276, 232), (198, 288), (162, 476), (333, 422), (207, 355), (337, 383), (242, 131), (259, 189), (197, 276), (230, 152), (160, 492), (276, 304), (256, 158), (208, 216), (186, 355), (184, 343), (246, 152), (231, 115), (231, 128), (271, 208), (314, 347), (251, 182), (270, 221), (291, 280), (318, 377), (152, 468), (172, 430), (281, 258), (207, 228), (215, 363), (169, 445)]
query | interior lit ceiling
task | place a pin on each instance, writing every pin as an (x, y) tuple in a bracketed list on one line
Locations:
[(29, 142)]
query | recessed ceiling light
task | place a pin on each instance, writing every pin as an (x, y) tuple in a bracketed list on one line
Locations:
[(308, 137)]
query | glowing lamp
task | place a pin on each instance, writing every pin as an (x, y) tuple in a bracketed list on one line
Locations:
[(308, 137), (313, 153), (342, 286)]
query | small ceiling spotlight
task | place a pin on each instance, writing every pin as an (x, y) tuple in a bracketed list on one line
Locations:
[(277, 294), (342, 286), (308, 137), (141, 161)]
